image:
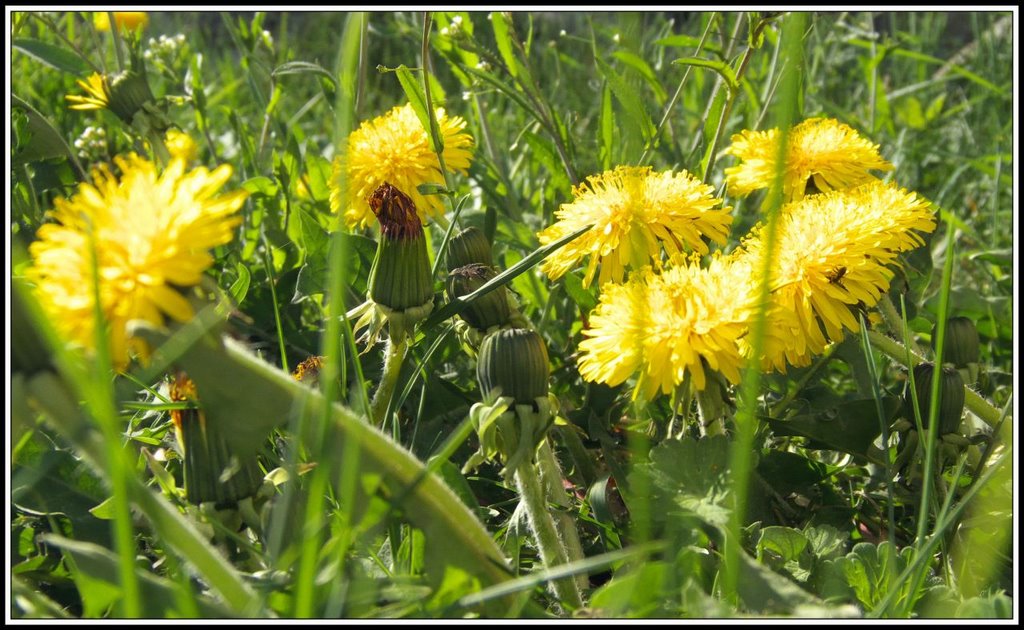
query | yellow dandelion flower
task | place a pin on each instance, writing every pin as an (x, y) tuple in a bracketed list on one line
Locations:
[(665, 327), (394, 148), (97, 96), (820, 150), (834, 256), (634, 213), (181, 145), (129, 20), (151, 233)]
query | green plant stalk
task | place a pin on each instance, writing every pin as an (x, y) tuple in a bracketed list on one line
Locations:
[(746, 413), (895, 322), (877, 395), (435, 137), (96, 386), (305, 578), (115, 31), (933, 424), (551, 478), (393, 359), (899, 353), (268, 265), (337, 329), (726, 111), (675, 98), (552, 550)]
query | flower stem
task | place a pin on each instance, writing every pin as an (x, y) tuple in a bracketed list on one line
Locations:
[(978, 405), (551, 478), (552, 549), (393, 355)]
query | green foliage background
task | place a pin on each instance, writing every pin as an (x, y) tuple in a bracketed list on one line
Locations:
[(827, 529)]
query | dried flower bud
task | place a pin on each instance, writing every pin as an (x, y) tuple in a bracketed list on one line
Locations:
[(400, 280)]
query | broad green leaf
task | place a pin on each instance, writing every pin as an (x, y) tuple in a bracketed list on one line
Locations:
[(503, 38), (54, 56), (849, 427), (303, 67), (723, 69), (98, 580), (607, 127), (44, 140), (240, 287), (250, 398), (52, 482), (691, 475), (417, 98), (312, 278), (824, 540), (261, 185), (638, 593), (583, 297), (994, 606), (318, 177), (785, 542), (871, 570), (632, 105), (765, 591), (637, 63), (687, 41)]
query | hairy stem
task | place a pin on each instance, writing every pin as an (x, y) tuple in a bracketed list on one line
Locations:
[(393, 355), (551, 478), (551, 547)]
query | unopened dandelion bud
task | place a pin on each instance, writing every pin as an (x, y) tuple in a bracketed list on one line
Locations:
[(514, 363), (129, 94), (467, 247), (962, 345), (213, 471), (489, 310), (951, 396)]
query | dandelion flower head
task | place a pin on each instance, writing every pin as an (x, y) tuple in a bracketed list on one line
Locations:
[(125, 19), (151, 233), (665, 327), (395, 148), (634, 213), (97, 93), (181, 145), (824, 151), (834, 255)]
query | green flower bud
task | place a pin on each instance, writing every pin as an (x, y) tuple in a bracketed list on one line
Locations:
[(962, 346), (400, 280), (129, 94), (213, 472), (467, 247), (489, 310), (513, 362), (951, 397)]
